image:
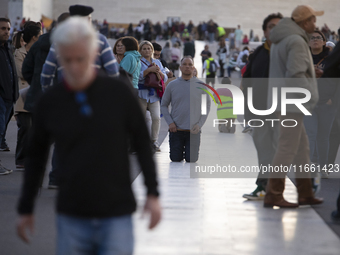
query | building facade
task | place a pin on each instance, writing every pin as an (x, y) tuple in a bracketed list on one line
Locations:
[(227, 13)]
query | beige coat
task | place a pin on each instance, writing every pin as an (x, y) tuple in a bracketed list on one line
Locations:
[(19, 56), (291, 64)]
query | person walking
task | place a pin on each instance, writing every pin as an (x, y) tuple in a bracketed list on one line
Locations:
[(189, 47), (105, 59), (238, 37), (157, 55), (210, 67), (30, 35), (167, 53), (148, 96), (175, 56), (319, 124), (131, 61), (211, 31), (331, 70), (290, 39), (73, 113), (9, 89), (31, 71), (256, 77), (204, 53), (222, 55), (118, 50)]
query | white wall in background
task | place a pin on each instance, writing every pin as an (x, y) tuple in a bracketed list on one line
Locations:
[(227, 13), (33, 9)]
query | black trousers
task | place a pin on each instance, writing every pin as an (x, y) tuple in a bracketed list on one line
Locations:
[(184, 145), (334, 142), (24, 122), (221, 68), (210, 79)]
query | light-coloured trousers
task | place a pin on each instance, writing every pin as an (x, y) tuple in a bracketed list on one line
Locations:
[(155, 111)]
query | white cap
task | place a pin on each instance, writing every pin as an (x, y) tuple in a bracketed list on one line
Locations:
[(329, 43)]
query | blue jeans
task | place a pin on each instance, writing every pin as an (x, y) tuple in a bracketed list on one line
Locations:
[(87, 236), (184, 145), (211, 37), (229, 70), (5, 114), (318, 127)]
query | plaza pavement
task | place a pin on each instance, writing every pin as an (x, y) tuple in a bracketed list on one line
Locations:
[(201, 216)]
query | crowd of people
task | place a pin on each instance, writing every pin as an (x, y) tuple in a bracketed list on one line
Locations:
[(61, 84)]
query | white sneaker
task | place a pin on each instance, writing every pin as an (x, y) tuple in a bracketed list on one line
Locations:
[(156, 146), (4, 171)]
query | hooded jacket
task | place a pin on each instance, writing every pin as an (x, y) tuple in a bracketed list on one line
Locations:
[(131, 64), (32, 67), (291, 65)]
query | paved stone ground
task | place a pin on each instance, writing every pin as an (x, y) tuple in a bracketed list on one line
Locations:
[(209, 215), (200, 216)]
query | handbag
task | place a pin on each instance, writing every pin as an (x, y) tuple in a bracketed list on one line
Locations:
[(160, 92), (152, 80)]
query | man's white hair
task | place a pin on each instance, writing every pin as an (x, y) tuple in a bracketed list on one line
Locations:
[(73, 30)]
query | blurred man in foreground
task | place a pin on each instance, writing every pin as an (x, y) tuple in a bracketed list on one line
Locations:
[(95, 199)]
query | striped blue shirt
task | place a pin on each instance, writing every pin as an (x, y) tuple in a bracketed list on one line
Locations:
[(105, 59)]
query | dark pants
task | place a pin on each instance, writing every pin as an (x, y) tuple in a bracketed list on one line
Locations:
[(5, 115), (334, 141), (3, 143), (318, 127), (24, 121), (184, 145), (210, 79), (53, 174), (229, 70), (221, 68)]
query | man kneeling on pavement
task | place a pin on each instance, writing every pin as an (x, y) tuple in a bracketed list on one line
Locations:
[(185, 120)]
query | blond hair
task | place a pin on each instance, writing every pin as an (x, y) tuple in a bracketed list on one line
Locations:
[(147, 43)]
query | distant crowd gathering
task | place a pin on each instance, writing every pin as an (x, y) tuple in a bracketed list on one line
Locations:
[(69, 88)]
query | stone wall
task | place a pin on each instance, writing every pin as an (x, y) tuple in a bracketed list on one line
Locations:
[(248, 13), (32, 9), (35, 8), (4, 8)]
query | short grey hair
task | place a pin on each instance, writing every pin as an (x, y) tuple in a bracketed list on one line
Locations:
[(72, 31)]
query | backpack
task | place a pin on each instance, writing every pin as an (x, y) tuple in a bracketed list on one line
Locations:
[(212, 67)]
